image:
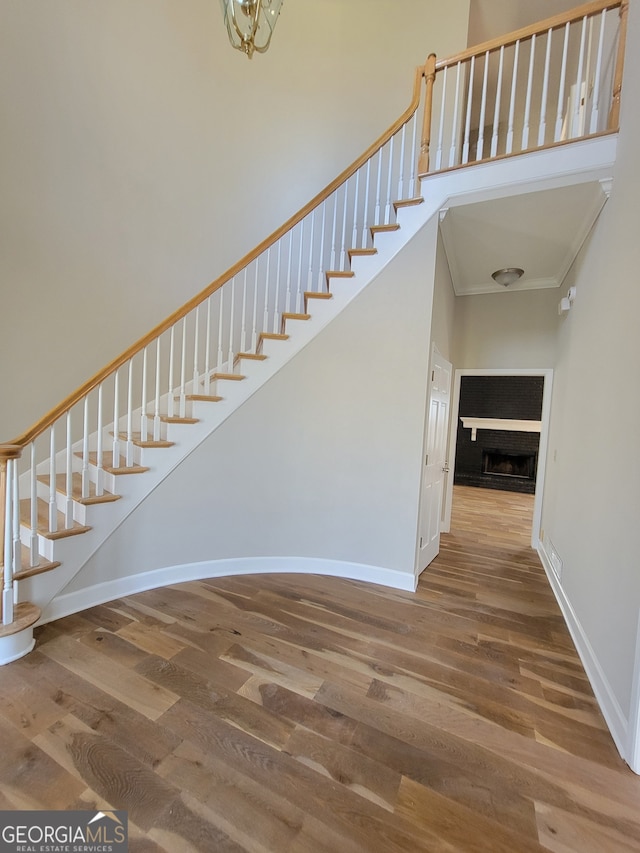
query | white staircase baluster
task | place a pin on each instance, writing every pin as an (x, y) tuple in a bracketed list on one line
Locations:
[(276, 310), (267, 283), (289, 265), (7, 581), (321, 253), (401, 167), (343, 238), (334, 233), (144, 427), (496, 112), (183, 370), (312, 232), (34, 547), (68, 505), (232, 312), (454, 128), (593, 124), (220, 359), (17, 546), (356, 195), (243, 328), (512, 100), (467, 123), (440, 129), (85, 449), (578, 112), (557, 136), (196, 354), (116, 416), (172, 346), (413, 158), (99, 451), (542, 125), (387, 209), (207, 347), (299, 282), (483, 109), (129, 453), (527, 105), (53, 509), (156, 407), (365, 218), (376, 218), (254, 319)]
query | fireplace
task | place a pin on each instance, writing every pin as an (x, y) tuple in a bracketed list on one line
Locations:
[(505, 463)]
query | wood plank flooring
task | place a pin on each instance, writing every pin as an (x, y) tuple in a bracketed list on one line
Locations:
[(291, 714)]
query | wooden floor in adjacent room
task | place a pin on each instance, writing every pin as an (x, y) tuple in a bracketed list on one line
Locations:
[(295, 714)]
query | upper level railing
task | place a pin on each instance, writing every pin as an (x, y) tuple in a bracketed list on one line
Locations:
[(545, 84), (554, 81)]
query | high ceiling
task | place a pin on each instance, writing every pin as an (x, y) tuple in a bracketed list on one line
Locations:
[(490, 18)]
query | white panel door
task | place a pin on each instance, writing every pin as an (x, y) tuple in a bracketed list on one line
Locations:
[(435, 459)]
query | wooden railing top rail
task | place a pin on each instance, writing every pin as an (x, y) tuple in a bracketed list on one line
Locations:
[(576, 14), (73, 399)]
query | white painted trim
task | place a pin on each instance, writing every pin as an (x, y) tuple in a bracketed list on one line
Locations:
[(504, 424), (74, 602), (609, 705), (633, 741), (545, 421), (16, 646)]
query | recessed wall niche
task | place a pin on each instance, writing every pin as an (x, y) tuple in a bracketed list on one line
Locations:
[(499, 459)]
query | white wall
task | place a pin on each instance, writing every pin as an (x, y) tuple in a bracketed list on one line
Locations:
[(323, 462), (444, 305), (141, 156), (512, 329), (592, 499)]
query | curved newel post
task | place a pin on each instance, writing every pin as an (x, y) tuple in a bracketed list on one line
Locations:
[(614, 115), (8, 454), (429, 77)]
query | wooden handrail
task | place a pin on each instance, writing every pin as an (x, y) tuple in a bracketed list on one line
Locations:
[(552, 23), (51, 417)]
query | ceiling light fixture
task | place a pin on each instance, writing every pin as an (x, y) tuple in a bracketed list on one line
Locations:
[(507, 276), (250, 23)]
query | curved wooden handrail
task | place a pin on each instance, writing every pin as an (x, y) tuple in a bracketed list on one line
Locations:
[(51, 417), (552, 23)]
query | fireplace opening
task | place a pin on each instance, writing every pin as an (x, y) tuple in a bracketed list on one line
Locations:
[(501, 463)]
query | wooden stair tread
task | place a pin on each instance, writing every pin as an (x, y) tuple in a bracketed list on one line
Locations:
[(273, 336), (30, 571), (408, 202), (357, 252), (378, 229), (312, 294), (25, 614), (107, 464), (234, 377), (175, 419), (339, 274), (291, 316), (42, 521), (136, 438), (76, 489), (204, 398), (254, 356)]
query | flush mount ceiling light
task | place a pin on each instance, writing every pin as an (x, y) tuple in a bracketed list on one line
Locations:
[(250, 23), (507, 276)]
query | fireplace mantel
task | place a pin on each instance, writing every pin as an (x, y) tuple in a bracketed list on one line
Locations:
[(507, 424)]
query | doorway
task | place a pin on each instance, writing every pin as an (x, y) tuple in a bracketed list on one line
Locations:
[(547, 376)]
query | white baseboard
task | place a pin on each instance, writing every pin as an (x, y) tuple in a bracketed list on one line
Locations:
[(72, 602), (609, 705)]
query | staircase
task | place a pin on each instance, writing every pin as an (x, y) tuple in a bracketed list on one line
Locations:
[(70, 481)]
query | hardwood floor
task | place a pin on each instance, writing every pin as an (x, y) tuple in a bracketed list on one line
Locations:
[(287, 713)]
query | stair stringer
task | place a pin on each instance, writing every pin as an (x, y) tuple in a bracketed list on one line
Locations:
[(562, 166), (74, 552)]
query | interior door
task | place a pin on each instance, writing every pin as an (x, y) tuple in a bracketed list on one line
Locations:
[(435, 465)]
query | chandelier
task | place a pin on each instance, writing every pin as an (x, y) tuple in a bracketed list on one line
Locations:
[(250, 23)]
